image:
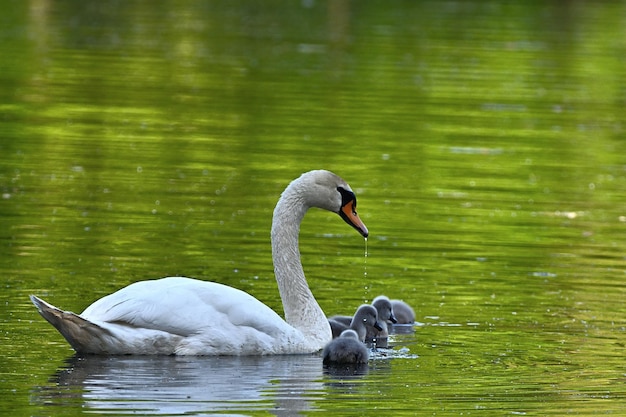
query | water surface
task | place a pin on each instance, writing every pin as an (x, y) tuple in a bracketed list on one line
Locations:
[(484, 140)]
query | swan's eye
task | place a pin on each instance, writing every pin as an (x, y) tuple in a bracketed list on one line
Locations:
[(347, 197)]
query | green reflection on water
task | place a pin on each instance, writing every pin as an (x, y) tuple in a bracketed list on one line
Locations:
[(485, 142)]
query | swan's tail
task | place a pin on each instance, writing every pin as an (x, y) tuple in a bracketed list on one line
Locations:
[(83, 335)]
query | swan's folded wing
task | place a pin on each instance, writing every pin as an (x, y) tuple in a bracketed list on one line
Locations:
[(184, 307)]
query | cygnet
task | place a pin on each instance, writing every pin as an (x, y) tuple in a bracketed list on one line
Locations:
[(347, 348)]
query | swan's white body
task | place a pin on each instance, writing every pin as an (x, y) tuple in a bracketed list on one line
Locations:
[(184, 316)]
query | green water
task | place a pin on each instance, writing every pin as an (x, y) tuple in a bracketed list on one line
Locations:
[(485, 142)]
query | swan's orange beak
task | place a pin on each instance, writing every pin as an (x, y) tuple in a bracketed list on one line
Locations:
[(348, 214)]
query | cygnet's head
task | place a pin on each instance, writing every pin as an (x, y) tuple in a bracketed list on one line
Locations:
[(349, 334), (367, 315), (385, 311)]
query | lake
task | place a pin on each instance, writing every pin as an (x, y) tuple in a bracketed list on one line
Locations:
[(485, 141)]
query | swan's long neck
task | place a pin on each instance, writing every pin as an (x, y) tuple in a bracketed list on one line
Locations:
[(301, 309)]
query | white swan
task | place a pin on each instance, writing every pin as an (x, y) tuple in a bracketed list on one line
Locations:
[(184, 316)]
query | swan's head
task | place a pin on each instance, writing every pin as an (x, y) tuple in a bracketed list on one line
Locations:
[(328, 191)]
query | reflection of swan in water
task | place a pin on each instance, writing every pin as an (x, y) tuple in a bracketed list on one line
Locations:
[(282, 385), (190, 317)]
